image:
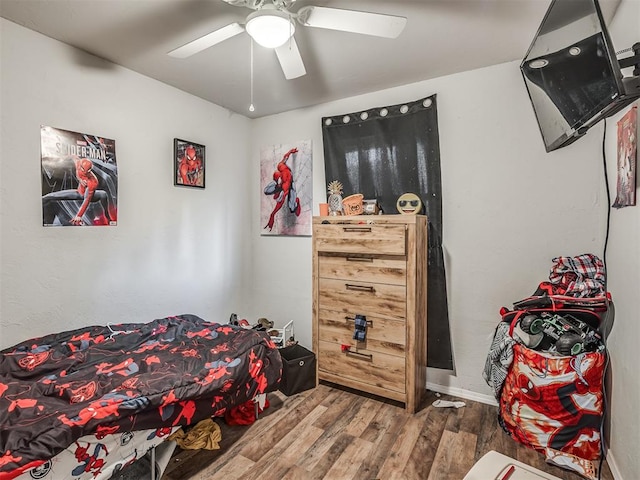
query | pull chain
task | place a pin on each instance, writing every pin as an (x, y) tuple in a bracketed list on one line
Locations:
[(251, 107), (290, 32)]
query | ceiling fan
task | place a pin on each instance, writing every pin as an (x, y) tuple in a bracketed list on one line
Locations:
[(272, 25)]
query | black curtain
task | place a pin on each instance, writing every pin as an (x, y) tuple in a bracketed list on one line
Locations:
[(382, 153)]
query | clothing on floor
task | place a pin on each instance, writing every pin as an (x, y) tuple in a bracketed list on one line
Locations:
[(206, 435), (246, 413)]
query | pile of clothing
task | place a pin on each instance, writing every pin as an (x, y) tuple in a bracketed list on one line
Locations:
[(546, 365)]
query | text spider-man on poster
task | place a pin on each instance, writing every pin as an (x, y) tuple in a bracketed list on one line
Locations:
[(79, 179)]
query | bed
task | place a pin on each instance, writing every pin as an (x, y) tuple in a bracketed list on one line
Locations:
[(59, 390), (106, 457)]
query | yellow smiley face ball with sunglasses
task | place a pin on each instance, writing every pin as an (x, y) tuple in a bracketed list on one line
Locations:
[(409, 204)]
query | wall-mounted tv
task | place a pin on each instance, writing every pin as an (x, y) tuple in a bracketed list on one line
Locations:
[(572, 75)]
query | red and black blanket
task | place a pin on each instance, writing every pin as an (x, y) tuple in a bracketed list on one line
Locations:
[(107, 379)]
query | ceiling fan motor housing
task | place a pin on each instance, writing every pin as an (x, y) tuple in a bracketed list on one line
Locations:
[(270, 27)]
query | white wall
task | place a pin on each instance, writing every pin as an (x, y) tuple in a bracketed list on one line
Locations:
[(174, 250), (623, 265)]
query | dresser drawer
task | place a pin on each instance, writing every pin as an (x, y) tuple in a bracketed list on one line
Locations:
[(383, 335), (356, 238), (375, 299), (362, 365), (363, 268)]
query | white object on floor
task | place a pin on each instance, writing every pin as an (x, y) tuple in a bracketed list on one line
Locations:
[(496, 466), (163, 454), (261, 400), (447, 403)]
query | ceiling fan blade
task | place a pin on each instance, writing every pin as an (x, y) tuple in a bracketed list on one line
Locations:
[(207, 41), (291, 60), (376, 24)]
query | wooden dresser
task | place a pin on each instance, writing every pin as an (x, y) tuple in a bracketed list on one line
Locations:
[(376, 266)]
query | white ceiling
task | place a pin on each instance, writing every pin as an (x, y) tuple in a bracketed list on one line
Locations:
[(442, 37)]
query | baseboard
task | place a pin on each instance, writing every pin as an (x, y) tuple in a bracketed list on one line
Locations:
[(462, 393), (613, 466)]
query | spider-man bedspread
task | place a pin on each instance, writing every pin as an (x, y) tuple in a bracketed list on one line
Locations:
[(172, 371)]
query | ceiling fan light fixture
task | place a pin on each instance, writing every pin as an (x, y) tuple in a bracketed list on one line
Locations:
[(270, 28)]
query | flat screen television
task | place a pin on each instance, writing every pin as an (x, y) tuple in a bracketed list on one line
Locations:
[(571, 72)]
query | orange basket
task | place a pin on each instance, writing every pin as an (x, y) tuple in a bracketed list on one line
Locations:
[(353, 204)]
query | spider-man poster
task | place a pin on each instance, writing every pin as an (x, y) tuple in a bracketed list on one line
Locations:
[(627, 159), (286, 185), (79, 179), (188, 163)]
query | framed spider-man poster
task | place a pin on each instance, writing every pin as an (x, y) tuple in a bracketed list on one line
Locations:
[(188, 161), (627, 159), (79, 178), (286, 184)]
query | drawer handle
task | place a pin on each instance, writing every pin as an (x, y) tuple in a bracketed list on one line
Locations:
[(347, 350), (368, 356), (360, 288), (357, 229), (360, 259), (353, 319)]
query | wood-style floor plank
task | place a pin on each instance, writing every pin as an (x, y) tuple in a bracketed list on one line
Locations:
[(424, 451), (445, 454), (340, 443), (284, 426), (463, 448), (333, 433), (382, 432), (296, 473), (230, 470), (349, 462), (269, 464), (363, 418), (400, 451)]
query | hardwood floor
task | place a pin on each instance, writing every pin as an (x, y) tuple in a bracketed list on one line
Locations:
[(333, 433)]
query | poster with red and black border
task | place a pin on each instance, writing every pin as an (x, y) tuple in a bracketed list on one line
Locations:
[(79, 178)]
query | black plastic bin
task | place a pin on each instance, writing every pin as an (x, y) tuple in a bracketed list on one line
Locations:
[(298, 369)]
